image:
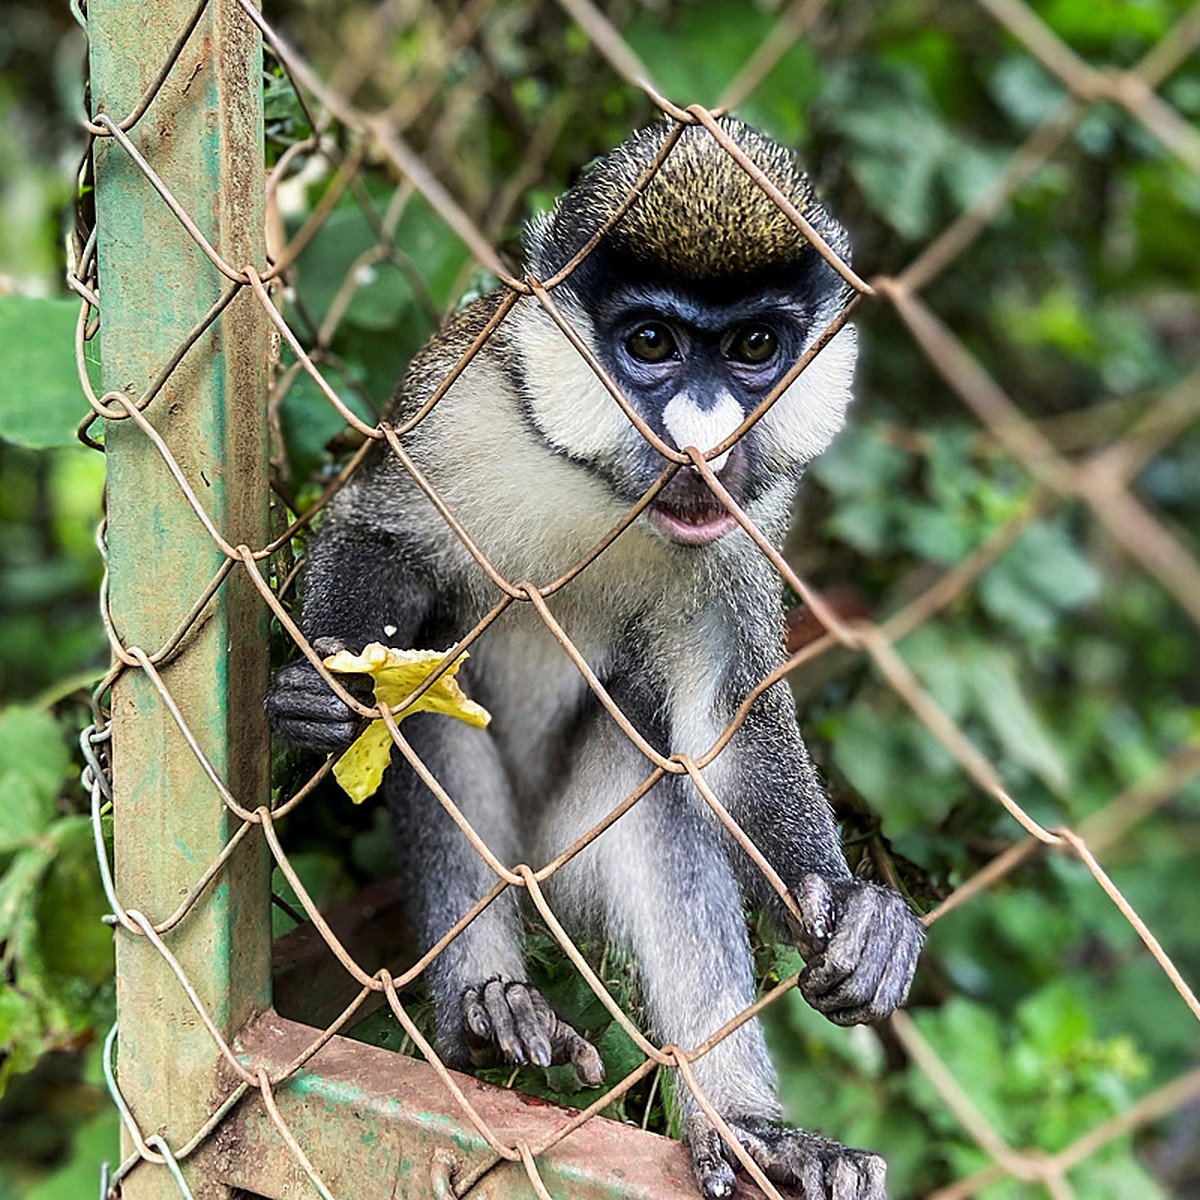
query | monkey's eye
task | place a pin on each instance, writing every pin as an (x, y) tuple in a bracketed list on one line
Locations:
[(651, 343), (753, 344)]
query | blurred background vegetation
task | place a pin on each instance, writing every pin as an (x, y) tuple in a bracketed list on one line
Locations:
[(1070, 668)]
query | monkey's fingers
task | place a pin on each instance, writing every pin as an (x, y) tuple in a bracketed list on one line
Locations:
[(814, 898), (306, 712), (511, 1022), (865, 970)]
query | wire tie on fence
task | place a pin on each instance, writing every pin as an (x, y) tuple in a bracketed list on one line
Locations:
[(117, 915), (97, 771), (108, 1066), (159, 1143), (684, 116)]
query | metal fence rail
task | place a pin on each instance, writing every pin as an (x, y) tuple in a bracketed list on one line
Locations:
[(179, 745)]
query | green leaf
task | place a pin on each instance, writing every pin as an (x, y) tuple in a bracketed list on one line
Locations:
[(71, 901), (968, 1038), (31, 744), (1041, 575), (40, 399), (25, 811), (1002, 702), (903, 773), (20, 1031), (33, 764), (681, 53), (1054, 1020), (18, 890), (896, 143)]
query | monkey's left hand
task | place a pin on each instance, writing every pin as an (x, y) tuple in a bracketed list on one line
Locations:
[(860, 942)]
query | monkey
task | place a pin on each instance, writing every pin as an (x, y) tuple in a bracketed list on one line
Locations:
[(696, 299)]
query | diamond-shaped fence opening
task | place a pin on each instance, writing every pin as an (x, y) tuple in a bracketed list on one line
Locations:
[(220, 277)]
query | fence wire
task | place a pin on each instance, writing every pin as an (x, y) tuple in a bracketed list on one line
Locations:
[(345, 137)]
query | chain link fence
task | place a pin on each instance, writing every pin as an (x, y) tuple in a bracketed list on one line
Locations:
[(345, 141)]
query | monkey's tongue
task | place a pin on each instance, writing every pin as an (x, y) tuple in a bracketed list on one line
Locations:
[(692, 527)]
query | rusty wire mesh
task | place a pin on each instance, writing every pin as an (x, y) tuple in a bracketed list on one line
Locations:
[(1102, 482)]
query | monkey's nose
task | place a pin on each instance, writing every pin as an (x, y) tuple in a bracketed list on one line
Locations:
[(689, 423)]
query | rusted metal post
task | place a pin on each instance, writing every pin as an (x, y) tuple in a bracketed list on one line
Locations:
[(202, 134)]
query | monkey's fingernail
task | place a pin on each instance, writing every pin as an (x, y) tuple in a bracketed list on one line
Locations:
[(539, 1051)]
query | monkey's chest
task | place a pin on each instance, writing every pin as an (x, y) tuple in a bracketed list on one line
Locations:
[(537, 697)]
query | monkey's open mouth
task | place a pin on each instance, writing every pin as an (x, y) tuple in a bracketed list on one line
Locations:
[(692, 526)]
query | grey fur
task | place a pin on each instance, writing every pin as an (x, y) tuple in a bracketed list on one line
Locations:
[(538, 463)]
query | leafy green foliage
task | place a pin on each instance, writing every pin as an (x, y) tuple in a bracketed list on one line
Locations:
[(49, 569), (1068, 668), (36, 337), (56, 955)]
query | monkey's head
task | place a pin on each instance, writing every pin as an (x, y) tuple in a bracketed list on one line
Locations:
[(697, 301)]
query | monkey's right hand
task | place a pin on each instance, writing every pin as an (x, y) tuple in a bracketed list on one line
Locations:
[(305, 711)]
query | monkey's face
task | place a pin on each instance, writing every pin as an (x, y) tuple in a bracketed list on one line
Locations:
[(697, 300), (694, 362)]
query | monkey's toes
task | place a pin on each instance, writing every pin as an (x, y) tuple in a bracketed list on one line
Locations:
[(511, 1022), (821, 1169), (710, 1159)]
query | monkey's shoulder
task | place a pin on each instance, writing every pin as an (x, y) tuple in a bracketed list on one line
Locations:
[(445, 350)]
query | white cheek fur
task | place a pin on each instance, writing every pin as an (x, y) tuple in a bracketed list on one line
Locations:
[(569, 404), (804, 420)]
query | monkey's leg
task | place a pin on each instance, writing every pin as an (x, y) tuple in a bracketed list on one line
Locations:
[(673, 894), (485, 1011)]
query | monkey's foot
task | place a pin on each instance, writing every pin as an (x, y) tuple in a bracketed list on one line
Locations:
[(511, 1022), (821, 1169)]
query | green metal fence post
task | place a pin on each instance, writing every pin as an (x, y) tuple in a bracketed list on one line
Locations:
[(203, 136)]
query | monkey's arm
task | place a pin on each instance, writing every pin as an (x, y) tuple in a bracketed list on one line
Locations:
[(859, 939), (360, 586)]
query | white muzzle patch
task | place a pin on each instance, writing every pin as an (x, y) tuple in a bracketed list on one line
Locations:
[(690, 425)]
